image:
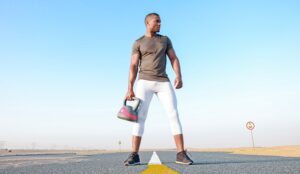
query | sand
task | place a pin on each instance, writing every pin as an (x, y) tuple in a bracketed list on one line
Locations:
[(284, 151)]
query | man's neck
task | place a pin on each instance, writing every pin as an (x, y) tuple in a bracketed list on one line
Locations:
[(150, 34)]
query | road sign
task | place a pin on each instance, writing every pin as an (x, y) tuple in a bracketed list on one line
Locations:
[(250, 125)]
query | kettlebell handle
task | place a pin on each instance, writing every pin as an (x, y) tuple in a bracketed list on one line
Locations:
[(135, 106)]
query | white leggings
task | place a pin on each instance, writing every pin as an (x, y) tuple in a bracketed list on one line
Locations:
[(166, 95)]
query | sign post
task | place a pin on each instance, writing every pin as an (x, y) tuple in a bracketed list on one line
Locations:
[(250, 125), (119, 145)]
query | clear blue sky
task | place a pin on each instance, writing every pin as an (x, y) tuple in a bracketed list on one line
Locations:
[(64, 68)]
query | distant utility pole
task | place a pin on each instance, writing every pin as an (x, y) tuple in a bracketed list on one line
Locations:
[(250, 125), (119, 145)]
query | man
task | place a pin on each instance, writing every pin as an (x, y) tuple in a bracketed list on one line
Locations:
[(149, 53)]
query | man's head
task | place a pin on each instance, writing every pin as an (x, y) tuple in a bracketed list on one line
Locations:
[(152, 22)]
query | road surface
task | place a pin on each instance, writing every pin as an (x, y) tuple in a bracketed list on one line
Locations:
[(205, 163)]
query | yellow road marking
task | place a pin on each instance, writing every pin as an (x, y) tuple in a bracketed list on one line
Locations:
[(159, 169)]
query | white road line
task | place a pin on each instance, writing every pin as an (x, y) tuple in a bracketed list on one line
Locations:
[(154, 159)]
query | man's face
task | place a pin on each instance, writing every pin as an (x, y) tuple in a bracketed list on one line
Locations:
[(153, 23)]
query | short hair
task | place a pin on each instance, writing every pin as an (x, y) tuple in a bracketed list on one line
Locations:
[(149, 15)]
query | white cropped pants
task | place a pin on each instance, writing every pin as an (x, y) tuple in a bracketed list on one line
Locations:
[(166, 95)]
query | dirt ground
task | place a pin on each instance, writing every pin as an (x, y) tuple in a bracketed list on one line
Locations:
[(285, 151)]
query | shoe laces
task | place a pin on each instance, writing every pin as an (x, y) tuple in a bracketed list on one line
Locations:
[(132, 154), (186, 152)]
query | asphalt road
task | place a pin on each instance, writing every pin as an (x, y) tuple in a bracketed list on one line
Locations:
[(205, 163)]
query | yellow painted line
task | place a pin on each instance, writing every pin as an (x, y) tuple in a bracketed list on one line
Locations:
[(159, 169)]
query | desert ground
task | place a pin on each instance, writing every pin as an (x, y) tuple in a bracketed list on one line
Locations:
[(284, 151)]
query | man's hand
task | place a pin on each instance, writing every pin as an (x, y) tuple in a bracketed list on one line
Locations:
[(178, 83), (130, 94), (176, 67), (132, 75)]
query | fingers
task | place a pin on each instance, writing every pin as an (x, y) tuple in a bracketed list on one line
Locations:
[(130, 95), (129, 98), (178, 84)]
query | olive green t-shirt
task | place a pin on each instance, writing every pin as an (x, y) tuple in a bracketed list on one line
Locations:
[(152, 54)]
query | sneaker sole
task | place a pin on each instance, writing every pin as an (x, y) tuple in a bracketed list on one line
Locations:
[(134, 164), (178, 162)]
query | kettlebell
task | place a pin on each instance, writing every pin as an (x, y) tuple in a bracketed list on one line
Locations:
[(128, 112)]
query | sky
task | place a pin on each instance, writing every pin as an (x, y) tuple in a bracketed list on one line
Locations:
[(64, 72)]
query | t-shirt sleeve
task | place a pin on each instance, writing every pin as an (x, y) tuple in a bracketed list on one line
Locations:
[(169, 44), (135, 48)]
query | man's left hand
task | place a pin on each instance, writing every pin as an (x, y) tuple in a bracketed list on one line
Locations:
[(178, 83)]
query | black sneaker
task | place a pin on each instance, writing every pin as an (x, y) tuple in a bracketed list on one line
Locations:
[(183, 158), (133, 159)]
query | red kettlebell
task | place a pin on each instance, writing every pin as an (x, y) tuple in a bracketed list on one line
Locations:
[(129, 113)]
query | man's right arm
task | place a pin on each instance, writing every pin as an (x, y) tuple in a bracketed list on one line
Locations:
[(132, 75)]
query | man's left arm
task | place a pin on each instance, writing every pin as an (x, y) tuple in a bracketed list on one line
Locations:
[(176, 67)]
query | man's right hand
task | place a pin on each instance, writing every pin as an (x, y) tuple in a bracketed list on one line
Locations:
[(130, 94)]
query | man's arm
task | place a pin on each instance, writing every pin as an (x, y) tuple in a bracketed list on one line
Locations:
[(176, 67), (132, 75)]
